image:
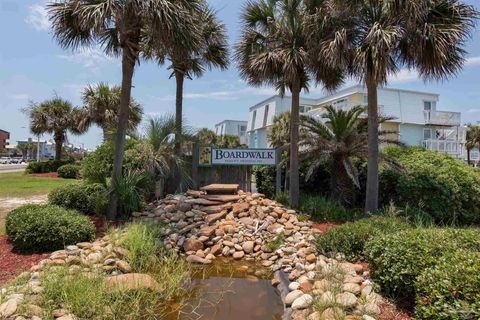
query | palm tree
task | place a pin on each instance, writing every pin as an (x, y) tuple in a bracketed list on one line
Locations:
[(273, 50), (228, 141), (185, 62), (206, 137), (121, 27), (279, 138), (373, 40), (338, 139), (101, 106), (55, 116)]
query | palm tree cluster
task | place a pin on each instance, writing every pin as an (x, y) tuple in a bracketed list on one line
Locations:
[(286, 43)]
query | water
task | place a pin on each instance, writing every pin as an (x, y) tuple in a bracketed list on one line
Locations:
[(232, 291)]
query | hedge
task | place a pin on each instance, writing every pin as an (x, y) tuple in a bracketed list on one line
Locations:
[(350, 238), (47, 227), (69, 171), (85, 198), (450, 289), (397, 259), (46, 166)]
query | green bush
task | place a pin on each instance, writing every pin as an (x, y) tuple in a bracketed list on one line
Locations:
[(81, 197), (446, 189), (397, 259), (47, 227), (265, 180), (451, 289), (46, 166), (98, 165), (351, 237), (132, 189), (69, 171), (324, 209)]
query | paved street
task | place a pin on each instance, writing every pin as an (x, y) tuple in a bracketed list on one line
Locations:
[(5, 168)]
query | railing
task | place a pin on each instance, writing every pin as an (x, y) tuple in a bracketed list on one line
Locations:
[(443, 118), (319, 112), (448, 146)]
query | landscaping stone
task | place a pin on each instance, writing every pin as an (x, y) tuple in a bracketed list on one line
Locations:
[(302, 302), (8, 308), (292, 296), (346, 299)]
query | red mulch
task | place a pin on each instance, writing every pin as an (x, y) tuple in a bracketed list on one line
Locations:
[(325, 226), (13, 263), (52, 175), (389, 311)]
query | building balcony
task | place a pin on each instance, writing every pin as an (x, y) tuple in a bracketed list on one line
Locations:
[(442, 118), (452, 147), (345, 106)]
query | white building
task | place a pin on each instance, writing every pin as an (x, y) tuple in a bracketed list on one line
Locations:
[(47, 148), (416, 118), (233, 128)]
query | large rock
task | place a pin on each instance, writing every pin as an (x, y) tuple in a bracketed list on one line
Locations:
[(207, 231), (211, 218), (192, 245), (304, 302), (240, 207), (292, 296), (238, 255), (346, 299), (197, 259), (8, 308), (248, 246), (131, 281)]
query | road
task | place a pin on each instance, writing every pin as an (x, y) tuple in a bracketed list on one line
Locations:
[(6, 168)]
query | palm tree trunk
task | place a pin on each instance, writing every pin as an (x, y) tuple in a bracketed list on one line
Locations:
[(58, 146), (106, 134), (128, 66), (179, 77), (371, 201), (468, 157), (294, 176)]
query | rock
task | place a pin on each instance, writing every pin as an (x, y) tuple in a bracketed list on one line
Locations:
[(216, 249), (84, 245), (131, 281), (311, 258), (240, 207), (367, 317), (207, 231), (306, 287), (293, 286), (371, 308), (34, 310), (94, 257), (59, 313), (8, 308), (314, 316), (124, 266), (197, 259), (305, 301), (211, 218), (192, 245), (352, 287), (238, 255), (346, 299), (184, 206), (327, 298), (248, 246), (247, 221), (292, 296), (67, 317)]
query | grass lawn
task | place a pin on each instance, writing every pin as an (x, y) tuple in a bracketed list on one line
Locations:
[(19, 185)]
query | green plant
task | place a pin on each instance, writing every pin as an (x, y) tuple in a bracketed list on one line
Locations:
[(81, 197), (131, 189), (350, 238), (276, 242), (450, 289), (324, 209), (69, 171), (47, 227), (46, 166), (282, 198), (447, 190), (97, 165), (397, 259), (265, 180)]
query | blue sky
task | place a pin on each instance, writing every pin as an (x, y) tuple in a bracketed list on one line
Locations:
[(33, 68)]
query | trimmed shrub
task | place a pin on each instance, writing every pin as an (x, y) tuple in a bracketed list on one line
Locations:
[(265, 180), (324, 209), (69, 171), (451, 289), (46, 166), (351, 237), (397, 259), (98, 165), (47, 227), (446, 189), (81, 197)]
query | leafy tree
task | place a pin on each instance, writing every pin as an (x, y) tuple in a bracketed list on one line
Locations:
[(55, 116), (473, 140), (101, 107), (273, 50), (373, 40), (121, 28), (339, 139), (206, 137)]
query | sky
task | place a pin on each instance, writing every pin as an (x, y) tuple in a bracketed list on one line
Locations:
[(34, 68)]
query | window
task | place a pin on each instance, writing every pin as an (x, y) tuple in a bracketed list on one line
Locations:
[(265, 115), (242, 129), (305, 109), (427, 105), (427, 134), (254, 118)]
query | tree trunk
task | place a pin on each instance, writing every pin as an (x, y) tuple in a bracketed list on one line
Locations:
[(58, 146), (128, 66), (107, 134), (294, 176), (371, 201), (179, 77), (468, 157)]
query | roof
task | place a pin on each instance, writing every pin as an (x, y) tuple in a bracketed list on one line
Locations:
[(223, 121), (4, 131)]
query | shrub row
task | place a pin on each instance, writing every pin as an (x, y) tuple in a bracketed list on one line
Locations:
[(69, 171), (85, 198), (47, 227), (46, 166), (324, 209)]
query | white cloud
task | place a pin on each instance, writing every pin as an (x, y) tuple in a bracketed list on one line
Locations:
[(19, 96), (90, 58), (38, 17), (473, 61), (223, 95)]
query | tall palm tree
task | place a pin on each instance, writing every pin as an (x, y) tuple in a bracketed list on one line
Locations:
[(101, 106), (211, 52), (338, 139), (375, 39), (273, 50), (55, 116), (121, 27), (279, 138)]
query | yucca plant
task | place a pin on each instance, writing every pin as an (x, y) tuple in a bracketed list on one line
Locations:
[(132, 188)]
